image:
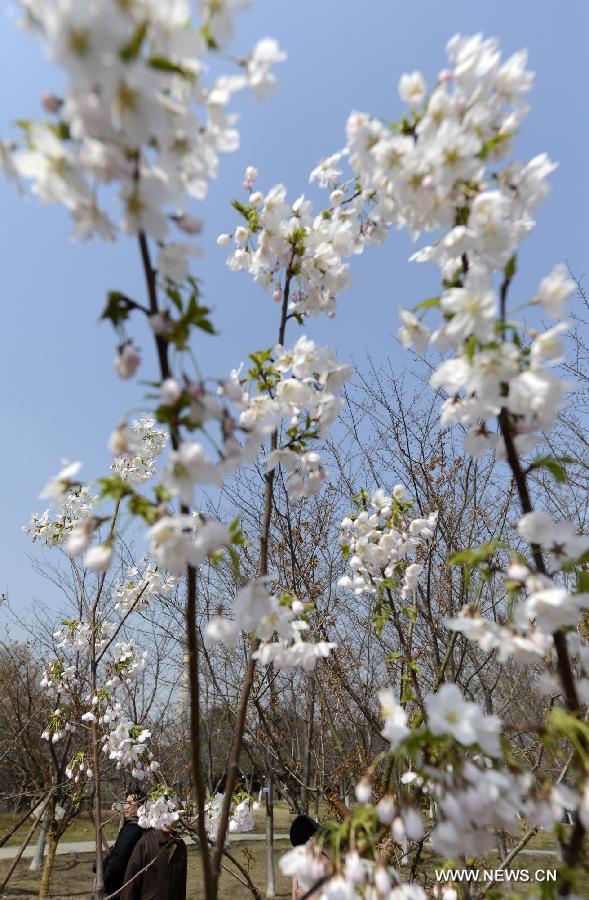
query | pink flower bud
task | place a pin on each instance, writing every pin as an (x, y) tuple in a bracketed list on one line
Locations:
[(188, 224), (127, 360), (171, 391), (51, 103)]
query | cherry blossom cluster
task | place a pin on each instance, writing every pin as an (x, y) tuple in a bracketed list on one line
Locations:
[(380, 539), (240, 817), (545, 605), (134, 592), (51, 527), (127, 745), (78, 768), (443, 166), (309, 399), (75, 633), (58, 678), (294, 254), (126, 665), (447, 171), (356, 876), (58, 726), (265, 616), (473, 797), (181, 540), (159, 810), (136, 111), (136, 449)]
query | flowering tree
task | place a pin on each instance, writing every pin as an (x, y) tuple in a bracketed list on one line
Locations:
[(135, 136)]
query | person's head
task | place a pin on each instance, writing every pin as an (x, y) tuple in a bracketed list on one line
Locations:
[(302, 830), (132, 802)]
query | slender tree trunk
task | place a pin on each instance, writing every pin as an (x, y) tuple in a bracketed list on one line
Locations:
[(52, 842), (309, 717), (37, 860), (270, 876), (99, 880)]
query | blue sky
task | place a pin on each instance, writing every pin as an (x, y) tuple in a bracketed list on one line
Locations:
[(61, 397)]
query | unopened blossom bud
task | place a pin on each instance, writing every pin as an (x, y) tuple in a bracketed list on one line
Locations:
[(50, 102), (354, 867), (363, 791), (160, 324), (413, 823), (127, 360), (297, 607), (257, 198), (188, 224), (449, 892), (386, 809), (336, 197), (399, 492), (412, 87), (382, 880), (241, 234), (277, 295), (398, 829), (223, 240), (171, 391), (251, 173), (80, 537), (232, 447), (233, 389), (518, 572), (98, 558)]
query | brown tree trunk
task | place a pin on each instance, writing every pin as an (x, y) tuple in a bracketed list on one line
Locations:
[(309, 717), (52, 842), (270, 876)]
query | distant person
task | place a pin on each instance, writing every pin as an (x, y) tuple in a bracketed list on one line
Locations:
[(162, 854), (115, 863), (302, 829)]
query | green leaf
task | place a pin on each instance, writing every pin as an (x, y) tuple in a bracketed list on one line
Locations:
[(117, 307), (470, 347), (141, 506), (175, 296), (131, 50), (115, 487), (425, 304), (241, 208), (163, 64), (472, 558), (207, 35), (62, 130), (553, 464), (510, 268), (582, 581), (162, 494)]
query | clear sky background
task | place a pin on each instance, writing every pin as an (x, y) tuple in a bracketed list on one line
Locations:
[(60, 396)]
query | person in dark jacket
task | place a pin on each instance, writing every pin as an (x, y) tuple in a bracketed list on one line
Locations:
[(115, 862), (158, 867)]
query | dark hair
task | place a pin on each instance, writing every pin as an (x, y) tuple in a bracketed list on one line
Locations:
[(302, 830)]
